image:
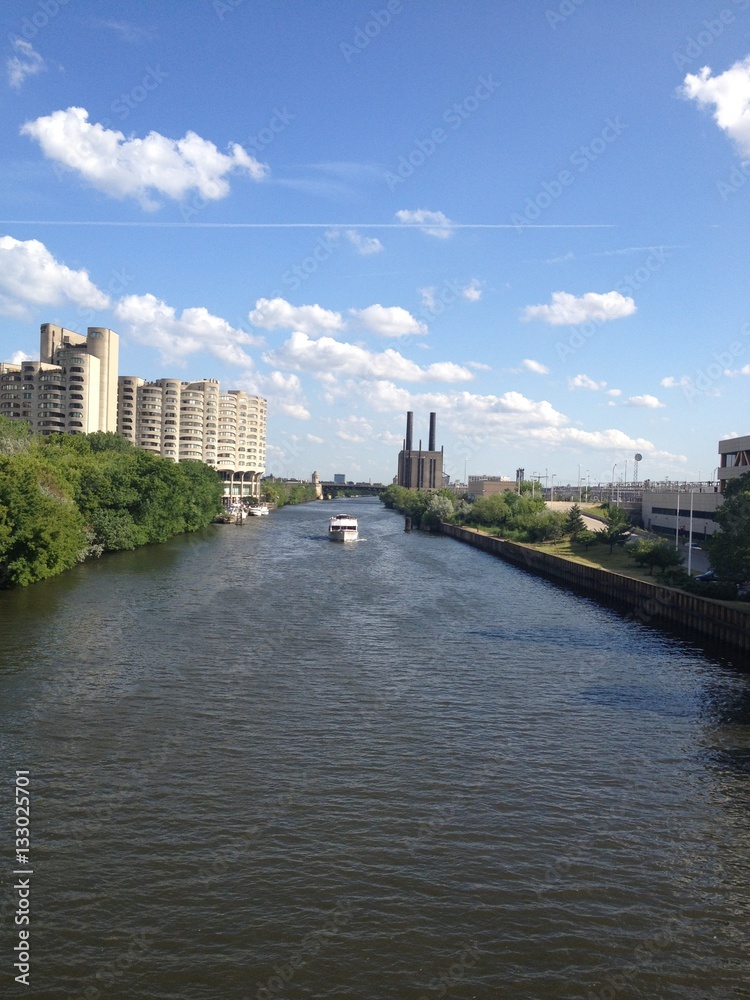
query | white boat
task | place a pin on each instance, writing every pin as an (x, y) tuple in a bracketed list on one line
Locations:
[(260, 511), (343, 528)]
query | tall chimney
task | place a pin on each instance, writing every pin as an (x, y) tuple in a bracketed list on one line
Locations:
[(409, 428), (432, 432)]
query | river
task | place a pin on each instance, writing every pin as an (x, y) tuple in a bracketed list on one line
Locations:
[(265, 766)]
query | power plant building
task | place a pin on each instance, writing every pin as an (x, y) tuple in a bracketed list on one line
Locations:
[(418, 469)]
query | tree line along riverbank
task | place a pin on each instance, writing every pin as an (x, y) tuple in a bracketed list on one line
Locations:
[(65, 498)]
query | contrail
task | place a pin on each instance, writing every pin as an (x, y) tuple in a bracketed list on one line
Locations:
[(304, 225)]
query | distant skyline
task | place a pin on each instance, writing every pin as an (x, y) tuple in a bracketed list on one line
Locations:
[(529, 218)]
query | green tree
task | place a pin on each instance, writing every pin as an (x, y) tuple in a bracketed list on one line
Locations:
[(729, 548), (587, 538), (42, 531), (574, 523), (614, 533), (15, 436)]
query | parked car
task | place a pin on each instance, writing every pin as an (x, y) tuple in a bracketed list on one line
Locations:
[(692, 545), (706, 577)]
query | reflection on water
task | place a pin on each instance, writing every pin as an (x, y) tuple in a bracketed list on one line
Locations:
[(268, 766)]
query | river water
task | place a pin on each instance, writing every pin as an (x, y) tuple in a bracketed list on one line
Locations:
[(266, 766)]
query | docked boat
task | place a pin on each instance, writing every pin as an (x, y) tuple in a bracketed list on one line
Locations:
[(260, 511), (343, 528)]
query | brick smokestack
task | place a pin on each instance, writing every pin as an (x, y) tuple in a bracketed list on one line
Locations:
[(409, 429), (432, 433)]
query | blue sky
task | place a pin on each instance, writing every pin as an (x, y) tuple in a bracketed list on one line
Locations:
[(529, 217)]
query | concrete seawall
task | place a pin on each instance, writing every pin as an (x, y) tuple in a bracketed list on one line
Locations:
[(648, 602)]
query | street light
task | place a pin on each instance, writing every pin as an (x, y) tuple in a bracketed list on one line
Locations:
[(579, 484), (552, 489), (612, 484), (690, 534)]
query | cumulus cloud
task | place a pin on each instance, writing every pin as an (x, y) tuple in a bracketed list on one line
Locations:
[(24, 62), (433, 223), (328, 358), (584, 382), (670, 382), (733, 372), (535, 366), (729, 96), (388, 321), (30, 275), (364, 245), (314, 439), (154, 323), (135, 168), (567, 310), (274, 314), (646, 401), (499, 419)]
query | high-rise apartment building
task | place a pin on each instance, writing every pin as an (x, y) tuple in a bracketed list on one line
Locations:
[(195, 420), (73, 386)]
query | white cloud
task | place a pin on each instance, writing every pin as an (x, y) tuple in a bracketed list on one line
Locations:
[(314, 439), (584, 382), (567, 310), (614, 392), (670, 382), (472, 291), (24, 62), (649, 402), (356, 429), (433, 223), (729, 95), (156, 324), (329, 358), (535, 366), (734, 372), (364, 245), (273, 314), (388, 321), (18, 357), (499, 419), (134, 168), (30, 275)]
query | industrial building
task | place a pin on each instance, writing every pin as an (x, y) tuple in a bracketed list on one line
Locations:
[(418, 469)]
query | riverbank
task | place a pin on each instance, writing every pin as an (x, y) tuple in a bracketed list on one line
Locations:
[(648, 601)]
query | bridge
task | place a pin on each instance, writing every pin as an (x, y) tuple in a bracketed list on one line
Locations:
[(352, 489)]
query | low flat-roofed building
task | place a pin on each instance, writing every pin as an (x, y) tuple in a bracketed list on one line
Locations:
[(486, 486), (735, 459), (661, 510)]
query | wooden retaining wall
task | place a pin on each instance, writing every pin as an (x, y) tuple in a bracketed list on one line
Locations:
[(648, 602)]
